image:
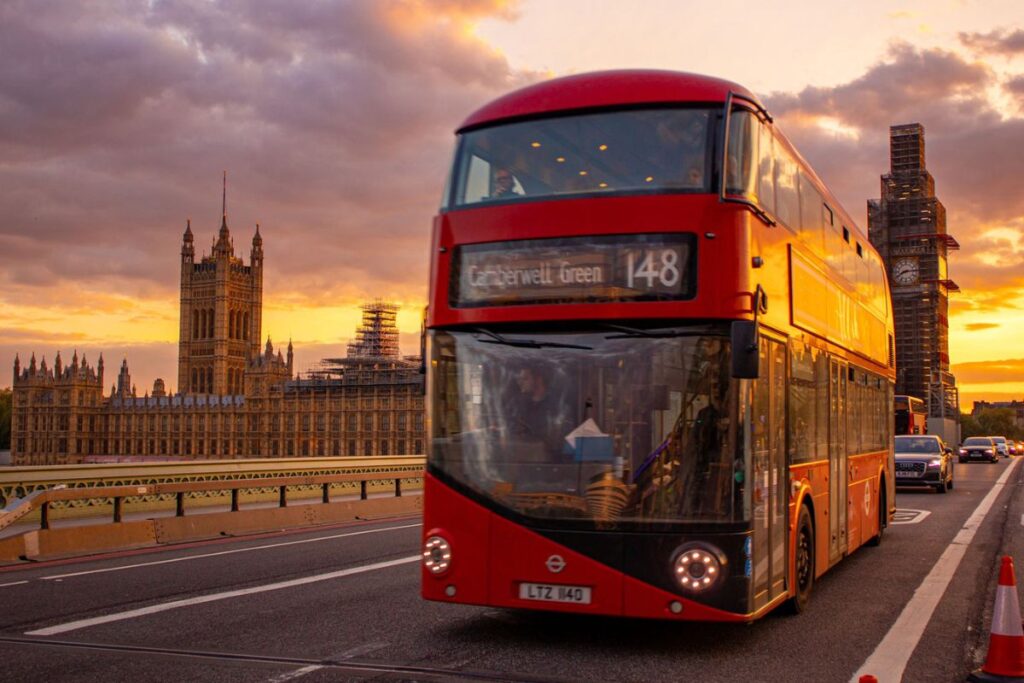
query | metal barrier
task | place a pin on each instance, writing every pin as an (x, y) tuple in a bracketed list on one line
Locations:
[(42, 500), (115, 534), (21, 482)]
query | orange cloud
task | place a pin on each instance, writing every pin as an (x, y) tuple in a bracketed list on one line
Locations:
[(990, 372)]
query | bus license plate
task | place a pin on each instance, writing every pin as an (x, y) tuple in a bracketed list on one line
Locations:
[(545, 592)]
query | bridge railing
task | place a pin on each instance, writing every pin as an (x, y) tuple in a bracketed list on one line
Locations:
[(20, 482), (43, 500), (347, 489)]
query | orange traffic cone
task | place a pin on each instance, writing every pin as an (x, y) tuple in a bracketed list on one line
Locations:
[(1005, 661)]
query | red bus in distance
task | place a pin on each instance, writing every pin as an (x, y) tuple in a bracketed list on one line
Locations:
[(910, 415), (659, 358)]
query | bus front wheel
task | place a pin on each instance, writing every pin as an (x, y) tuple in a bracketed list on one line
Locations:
[(804, 556)]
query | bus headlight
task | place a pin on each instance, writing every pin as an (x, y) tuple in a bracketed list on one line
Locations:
[(699, 567), (437, 555)]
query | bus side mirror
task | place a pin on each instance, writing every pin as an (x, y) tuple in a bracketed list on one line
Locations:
[(744, 350)]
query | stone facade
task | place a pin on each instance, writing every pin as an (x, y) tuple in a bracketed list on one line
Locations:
[(233, 400)]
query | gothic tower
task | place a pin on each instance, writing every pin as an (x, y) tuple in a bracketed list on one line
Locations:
[(908, 227), (221, 314)]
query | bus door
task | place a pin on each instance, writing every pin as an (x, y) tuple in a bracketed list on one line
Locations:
[(837, 461), (770, 488)]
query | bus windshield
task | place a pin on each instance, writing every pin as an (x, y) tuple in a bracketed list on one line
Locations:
[(618, 425), (608, 152)]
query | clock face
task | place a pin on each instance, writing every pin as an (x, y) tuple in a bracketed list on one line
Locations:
[(905, 271)]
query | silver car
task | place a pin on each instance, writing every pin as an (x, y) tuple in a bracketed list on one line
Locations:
[(1001, 447)]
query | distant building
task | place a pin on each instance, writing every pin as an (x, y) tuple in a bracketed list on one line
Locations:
[(907, 226), (1016, 406), (233, 400)]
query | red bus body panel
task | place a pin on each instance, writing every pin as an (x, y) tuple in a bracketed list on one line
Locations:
[(491, 556)]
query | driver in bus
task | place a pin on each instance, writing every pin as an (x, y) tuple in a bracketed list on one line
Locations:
[(537, 411)]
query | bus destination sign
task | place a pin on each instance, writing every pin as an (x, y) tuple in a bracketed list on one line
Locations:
[(647, 267)]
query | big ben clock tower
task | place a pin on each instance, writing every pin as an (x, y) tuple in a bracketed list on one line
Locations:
[(908, 227)]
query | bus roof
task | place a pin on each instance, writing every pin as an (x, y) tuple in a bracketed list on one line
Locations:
[(605, 89)]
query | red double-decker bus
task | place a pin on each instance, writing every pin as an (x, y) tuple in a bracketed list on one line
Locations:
[(910, 415), (659, 357)]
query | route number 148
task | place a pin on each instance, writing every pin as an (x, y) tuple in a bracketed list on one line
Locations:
[(652, 268)]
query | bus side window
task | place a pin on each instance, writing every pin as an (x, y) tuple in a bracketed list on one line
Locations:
[(739, 165), (787, 199), (766, 170)]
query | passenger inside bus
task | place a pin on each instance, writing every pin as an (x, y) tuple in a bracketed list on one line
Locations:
[(504, 185)]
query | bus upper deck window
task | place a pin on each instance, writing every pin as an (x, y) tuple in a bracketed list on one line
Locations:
[(601, 153)]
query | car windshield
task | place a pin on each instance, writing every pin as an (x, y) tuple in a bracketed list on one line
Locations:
[(917, 444), (999, 439), (608, 152), (978, 441), (612, 426)]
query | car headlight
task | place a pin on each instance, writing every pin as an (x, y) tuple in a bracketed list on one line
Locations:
[(437, 555), (699, 567), (935, 462), (963, 451), (989, 451)]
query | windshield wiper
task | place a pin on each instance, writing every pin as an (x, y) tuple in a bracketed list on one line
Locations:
[(633, 332), (496, 338)]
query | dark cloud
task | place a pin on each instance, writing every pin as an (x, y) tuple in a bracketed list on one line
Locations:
[(1015, 86), (977, 327), (1000, 42)]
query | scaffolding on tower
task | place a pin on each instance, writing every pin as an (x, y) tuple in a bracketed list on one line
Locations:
[(377, 335)]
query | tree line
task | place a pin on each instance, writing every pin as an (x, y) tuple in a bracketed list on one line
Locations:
[(991, 422)]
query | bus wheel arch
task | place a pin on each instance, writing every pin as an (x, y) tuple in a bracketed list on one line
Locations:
[(803, 558)]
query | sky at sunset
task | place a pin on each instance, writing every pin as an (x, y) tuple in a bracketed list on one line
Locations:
[(334, 121)]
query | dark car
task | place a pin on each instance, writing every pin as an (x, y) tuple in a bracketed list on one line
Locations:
[(924, 461), (979, 448)]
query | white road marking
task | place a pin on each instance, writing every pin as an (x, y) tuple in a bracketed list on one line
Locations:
[(213, 597), (13, 583), (890, 658), (58, 577), (910, 516), (290, 675)]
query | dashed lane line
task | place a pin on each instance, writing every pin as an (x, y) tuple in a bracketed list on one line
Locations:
[(12, 583), (890, 658), (187, 558), (214, 597)]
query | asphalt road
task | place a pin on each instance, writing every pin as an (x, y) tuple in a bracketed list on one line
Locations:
[(343, 604)]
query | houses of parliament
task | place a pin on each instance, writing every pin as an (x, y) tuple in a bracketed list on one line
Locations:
[(235, 399)]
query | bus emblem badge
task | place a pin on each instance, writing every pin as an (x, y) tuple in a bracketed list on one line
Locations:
[(555, 564)]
